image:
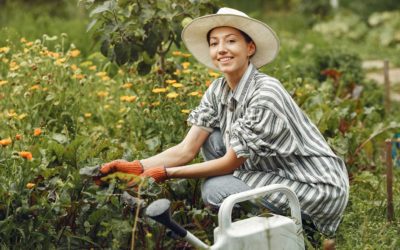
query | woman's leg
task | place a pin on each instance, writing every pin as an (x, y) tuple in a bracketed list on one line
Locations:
[(215, 189)]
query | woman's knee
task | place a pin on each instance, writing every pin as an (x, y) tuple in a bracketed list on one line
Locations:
[(213, 147), (215, 189)]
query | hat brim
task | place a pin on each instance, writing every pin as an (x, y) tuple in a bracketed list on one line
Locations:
[(194, 36)]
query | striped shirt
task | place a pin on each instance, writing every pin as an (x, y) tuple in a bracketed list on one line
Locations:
[(260, 121)]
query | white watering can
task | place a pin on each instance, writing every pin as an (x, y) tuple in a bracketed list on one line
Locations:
[(275, 232)]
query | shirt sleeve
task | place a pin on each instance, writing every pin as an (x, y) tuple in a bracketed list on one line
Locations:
[(260, 133), (206, 113)]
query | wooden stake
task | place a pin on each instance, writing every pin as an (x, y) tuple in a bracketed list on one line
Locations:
[(389, 180)]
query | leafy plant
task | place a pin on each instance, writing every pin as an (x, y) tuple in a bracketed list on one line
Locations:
[(133, 31)]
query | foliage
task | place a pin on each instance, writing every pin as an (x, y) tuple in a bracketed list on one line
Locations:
[(63, 114), (67, 113), (142, 31), (53, 18), (382, 27)]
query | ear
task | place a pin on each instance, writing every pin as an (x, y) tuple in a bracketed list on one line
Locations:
[(251, 48)]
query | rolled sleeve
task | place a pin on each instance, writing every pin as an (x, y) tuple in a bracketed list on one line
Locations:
[(206, 114), (261, 133)]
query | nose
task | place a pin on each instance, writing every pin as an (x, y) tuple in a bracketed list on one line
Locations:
[(221, 48)]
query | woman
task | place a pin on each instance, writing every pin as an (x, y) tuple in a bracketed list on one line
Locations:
[(249, 129)]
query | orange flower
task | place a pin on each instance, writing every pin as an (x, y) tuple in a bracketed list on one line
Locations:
[(74, 53), (5, 142), (18, 137), (30, 185), (37, 132), (25, 154)]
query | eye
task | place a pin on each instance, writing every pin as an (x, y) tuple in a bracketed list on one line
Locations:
[(231, 41), (213, 44)]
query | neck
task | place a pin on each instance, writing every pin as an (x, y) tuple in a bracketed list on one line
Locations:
[(233, 78)]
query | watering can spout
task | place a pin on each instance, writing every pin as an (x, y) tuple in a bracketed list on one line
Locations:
[(159, 211)]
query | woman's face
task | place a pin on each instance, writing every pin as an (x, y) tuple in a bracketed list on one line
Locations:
[(229, 50)]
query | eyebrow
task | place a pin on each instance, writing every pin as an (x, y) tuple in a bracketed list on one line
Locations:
[(231, 34)]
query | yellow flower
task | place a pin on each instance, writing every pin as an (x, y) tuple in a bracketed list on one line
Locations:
[(60, 61), (127, 85), (23, 40), (93, 67), (101, 74), (185, 65), (126, 98), (213, 74), (35, 87), (22, 116), (185, 111), (102, 93), (105, 78), (159, 90), (186, 71), (194, 93), (177, 85), (4, 50), (74, 67), (3, 82), (107, 106), (13, 66), (29, 44), (74, 53), (11, 113), (176, 53), (186, 55), (30, 185), (37, 132), (25, 154), (170, 81), (5, 142), (172, 95), (78, 76), (177, 72), (87, 115), (155, 104)]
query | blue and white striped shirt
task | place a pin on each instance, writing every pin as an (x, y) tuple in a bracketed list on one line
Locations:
[(260, 121)]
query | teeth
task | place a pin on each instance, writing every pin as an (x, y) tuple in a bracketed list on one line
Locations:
[(225, 59)]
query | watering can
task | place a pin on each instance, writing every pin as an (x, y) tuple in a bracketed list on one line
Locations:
[(275, 232)]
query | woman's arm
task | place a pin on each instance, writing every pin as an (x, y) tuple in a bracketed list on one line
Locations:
[(181, 153), (221, 166)]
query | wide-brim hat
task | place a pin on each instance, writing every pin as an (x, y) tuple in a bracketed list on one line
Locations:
[(194, 36)]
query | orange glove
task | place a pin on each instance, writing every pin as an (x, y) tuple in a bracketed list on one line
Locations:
[(134, 167), (159, 174)]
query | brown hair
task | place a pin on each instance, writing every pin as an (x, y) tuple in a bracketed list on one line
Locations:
[(247, 38)]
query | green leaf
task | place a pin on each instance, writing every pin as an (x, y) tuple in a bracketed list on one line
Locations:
[(143, 68), (60, 138), (105, 45), (121, 51), (91, 25), (107, 6)]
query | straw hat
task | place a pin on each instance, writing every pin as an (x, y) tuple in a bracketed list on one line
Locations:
[(194, 36)]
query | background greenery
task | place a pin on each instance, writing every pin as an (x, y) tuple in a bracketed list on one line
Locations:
[(87, 111)]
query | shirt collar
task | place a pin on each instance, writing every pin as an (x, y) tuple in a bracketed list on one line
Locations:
[(241, 89)]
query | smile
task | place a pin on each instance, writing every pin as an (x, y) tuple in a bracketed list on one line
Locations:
[(225, 59)]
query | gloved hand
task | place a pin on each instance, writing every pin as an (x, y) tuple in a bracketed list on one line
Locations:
[(134, 167), (159, 174)]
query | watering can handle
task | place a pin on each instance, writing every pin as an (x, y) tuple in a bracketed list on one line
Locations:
[(225, 211)]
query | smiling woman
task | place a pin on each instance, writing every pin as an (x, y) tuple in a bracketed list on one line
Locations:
[(249, 129)]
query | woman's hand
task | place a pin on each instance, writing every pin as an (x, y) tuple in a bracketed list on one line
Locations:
[(134, 167)]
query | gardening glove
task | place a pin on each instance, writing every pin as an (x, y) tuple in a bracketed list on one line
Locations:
[(159, 174), (134, 167)]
